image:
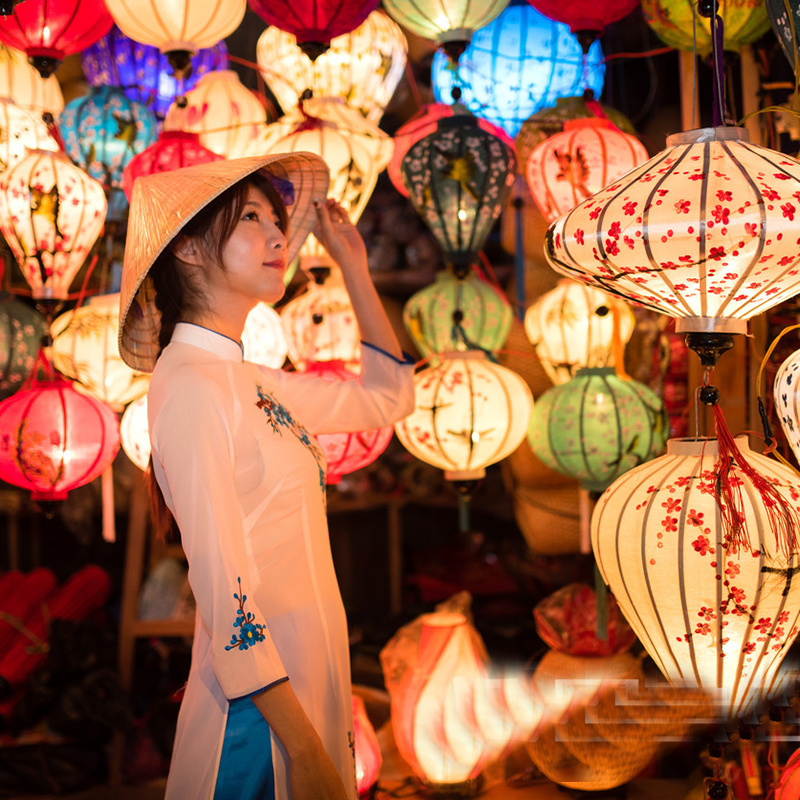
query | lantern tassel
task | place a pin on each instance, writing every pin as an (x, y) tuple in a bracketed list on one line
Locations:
[(107, 491), (783, 520), (463, 513)]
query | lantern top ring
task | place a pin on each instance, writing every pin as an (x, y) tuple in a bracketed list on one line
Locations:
[(710, 325), (703, 446), (723, 133)]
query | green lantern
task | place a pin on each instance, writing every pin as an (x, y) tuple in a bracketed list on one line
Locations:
[(21, 331), (597, 426), (458, 311)]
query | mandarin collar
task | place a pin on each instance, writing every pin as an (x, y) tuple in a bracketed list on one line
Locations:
[(206, 339)]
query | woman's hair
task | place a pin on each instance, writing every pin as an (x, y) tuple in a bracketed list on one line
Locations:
[(176, 292)]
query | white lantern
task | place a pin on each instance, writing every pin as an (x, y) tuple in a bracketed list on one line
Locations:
[(22, 131), (787, 402), (263, 338), (22, 82), (135, 433)]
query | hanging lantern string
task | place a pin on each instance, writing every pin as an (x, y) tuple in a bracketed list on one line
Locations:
[(262, 86), (717, 37)]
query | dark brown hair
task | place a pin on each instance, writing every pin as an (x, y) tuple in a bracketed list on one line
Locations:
[(177, 294)]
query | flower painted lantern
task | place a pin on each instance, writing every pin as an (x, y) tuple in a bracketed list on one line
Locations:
[(171, 150), (677, 23), (178, 28), (49, 30), (571, 166), (469, 413), (134, 433), (574, 326), (587, 19), (458, 179), (362, 67), (21, 331), (457, 312), (316, 22), (228, 117), (51, 213), (707, 583), (450, 23), (704, 231), (787, 400), (596, 426), (85, 349), (366, 749), (263, 338), (519, 63), (143, 72), (419, 126), (20, 80), (23, 131)]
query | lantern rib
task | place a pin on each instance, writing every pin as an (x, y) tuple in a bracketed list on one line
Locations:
[(573, 135), (100, 451), (64, 443), (18, 441), (582, 454), (65, 27), (619, 426), (439, 380)]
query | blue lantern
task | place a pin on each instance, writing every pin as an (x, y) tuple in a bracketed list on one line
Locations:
[(518, 64), (143, 71)]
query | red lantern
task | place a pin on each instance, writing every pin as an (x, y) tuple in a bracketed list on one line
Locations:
[(172, 150), (48, 30), (789, 786), (366, 749), (316, 22), (586, 18)]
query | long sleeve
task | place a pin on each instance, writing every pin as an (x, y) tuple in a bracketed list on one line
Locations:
[(191, 430)]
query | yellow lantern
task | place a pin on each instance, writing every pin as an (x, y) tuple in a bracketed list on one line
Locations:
[(135, 433), (22, 82), (362, 67), (49, 236), (573, 326), (263, 338), (228, 118), (23, 131), (85, 349)]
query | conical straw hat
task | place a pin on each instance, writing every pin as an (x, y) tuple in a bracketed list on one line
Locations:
[(164, 202)]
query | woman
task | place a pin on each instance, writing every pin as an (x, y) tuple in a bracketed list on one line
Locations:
[(266, 711)]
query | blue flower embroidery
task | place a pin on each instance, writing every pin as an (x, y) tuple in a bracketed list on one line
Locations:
[(250, 632)]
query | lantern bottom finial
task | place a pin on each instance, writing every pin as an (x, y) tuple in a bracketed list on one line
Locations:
[(181, 63), (709, 346), (468, 788), (313, 49), (44, 65)]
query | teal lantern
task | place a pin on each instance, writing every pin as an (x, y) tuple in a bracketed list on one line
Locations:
[(597, 426), (21, 331)]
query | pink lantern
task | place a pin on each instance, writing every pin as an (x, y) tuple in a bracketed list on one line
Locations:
[(367, 750), (422, 124), (567, 168)]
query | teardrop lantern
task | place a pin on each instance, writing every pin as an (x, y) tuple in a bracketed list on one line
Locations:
[(23, 131), (20, 80), (21, 331)]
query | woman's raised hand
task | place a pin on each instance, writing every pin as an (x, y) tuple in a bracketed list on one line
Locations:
[(339, 236)]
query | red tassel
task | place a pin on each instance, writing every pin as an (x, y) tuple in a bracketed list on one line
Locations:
[(783, 519)]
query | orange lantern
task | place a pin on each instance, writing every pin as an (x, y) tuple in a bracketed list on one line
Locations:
[(367, 750)]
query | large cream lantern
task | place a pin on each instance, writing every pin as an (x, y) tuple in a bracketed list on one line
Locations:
[(263, 338), (20, 80), (22, 131), (134, 433)]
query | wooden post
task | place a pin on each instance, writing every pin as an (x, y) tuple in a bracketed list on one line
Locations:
[(690, 105)]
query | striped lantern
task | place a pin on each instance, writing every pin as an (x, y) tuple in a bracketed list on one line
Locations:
[(573, 326), (705, 231), (715, 606)]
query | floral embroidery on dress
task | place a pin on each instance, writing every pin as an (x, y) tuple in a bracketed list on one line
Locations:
[(250, 631)]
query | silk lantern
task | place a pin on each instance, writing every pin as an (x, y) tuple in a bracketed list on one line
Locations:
[(144, 73), (706, 583), (366, 749), (459, 179), (263, 339), (362, 67), (20, 80), (574, 326), (51, 213), (786, 400), (49, 30), (587, 19), (519, 63), (458, 311), (21, 331), (571, 166), (134, 433), (788, 787), (704, 231), (779, 16), (85, 349), (228, 117), (23, 131), (469, 413)]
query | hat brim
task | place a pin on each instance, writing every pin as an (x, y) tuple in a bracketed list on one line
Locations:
[(162, 204)]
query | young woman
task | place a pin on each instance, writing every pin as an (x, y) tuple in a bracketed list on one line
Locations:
[(266, 713)]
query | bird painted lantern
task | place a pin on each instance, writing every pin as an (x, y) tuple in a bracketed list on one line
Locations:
[(23, 131), (366, 749), (362, 67), (571, 166), (587, 19), (519, 63), (49, 30), (134, 433), (704, 231), (575, 326), (459, 179), (20, 80), (457, 312), (699, 549), (263, 339), (51, 213), (21, 331)]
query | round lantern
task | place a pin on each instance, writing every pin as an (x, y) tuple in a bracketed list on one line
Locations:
[(419, 126), (716, 606), (587, 19), (458, 180), (50, 237), (49, 30), (134, 433), (704, 231), (678, 23), (519, 63), (172, 150), (573, 326), (20, 80), (450, 23), (85, 349), (571, 166), (788, 786), (143, 72), (228, 117), (366, 749), (263, 339), (23, 131), (458, 311), (314, 23), (469, 413), (362, 67), (21, 331), (597, 426), (54, 439), (178, 28)]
